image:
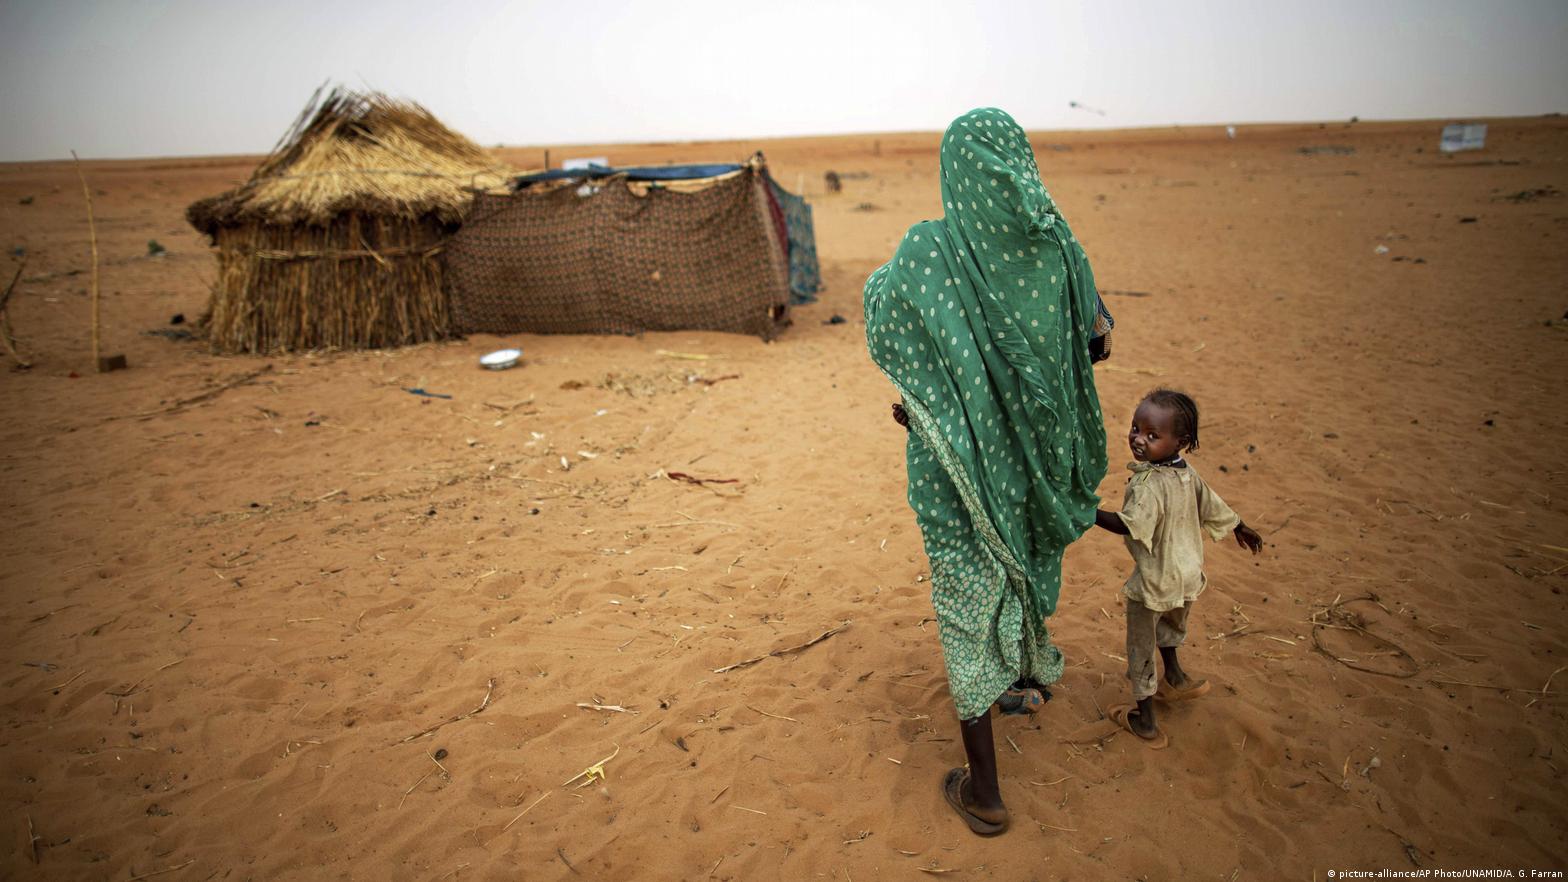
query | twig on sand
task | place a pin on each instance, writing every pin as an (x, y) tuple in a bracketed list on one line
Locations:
[(542, 798), (489, 687), (744, 809), (779, 652), (210, 394), (562, 855), (1549, 680), (67, 682), (1092, 742), (613, 708), (595, 771), (691, 520), (937, 871), (1335, 616), (413, 787), (1437, 681), (1045, 826), (5, 319), (32, 839), (1013, 743), (693, 479), (161, 872), (774, 716), (1049, 783), (136, 687)]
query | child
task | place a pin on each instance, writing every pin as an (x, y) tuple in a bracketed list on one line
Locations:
[(1165, 512)]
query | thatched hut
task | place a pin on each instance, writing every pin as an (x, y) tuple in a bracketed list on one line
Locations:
[(335, 240)]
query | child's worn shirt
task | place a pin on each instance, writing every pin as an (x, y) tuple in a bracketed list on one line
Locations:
[(1167, 510)]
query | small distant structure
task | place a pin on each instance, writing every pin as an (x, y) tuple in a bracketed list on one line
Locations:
[(585, 163), (1230, 132), (335, 241), (718, 247), (832, 182), (1463, 136)]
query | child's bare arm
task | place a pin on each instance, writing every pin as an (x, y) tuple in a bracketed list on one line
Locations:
[(1248, 538), (1110, 520)]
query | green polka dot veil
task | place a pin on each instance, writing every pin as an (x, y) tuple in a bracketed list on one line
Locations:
[(982, 320)]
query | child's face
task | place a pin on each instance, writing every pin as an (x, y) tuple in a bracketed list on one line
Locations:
[(1153, 434)]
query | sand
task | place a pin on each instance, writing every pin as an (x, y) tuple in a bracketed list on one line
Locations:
[(225, 621)]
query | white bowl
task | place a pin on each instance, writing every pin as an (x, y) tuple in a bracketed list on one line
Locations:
[(501, 359)]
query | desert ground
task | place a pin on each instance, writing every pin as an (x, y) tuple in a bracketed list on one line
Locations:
[(232, 620)]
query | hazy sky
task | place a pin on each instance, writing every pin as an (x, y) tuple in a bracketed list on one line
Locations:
[(182, 77)]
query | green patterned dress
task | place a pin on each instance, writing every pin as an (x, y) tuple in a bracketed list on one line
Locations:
[(982, 320)]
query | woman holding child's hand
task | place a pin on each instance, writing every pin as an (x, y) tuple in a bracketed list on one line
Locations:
[(987, 321)]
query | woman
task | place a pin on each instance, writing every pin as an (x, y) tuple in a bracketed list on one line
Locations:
[(987, 322)]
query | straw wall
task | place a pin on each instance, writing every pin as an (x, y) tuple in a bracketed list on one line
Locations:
[(361, 282)]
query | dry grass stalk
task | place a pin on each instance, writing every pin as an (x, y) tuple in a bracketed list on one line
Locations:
[(774, 716), (542, 798), (593, 772), (67, 682), (183, 403), (614, 708), (161, 872), (1335, 616), (489, 688), (779, 652), (6, 337)]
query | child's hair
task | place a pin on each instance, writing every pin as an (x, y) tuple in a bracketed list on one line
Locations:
[(1185, 410)]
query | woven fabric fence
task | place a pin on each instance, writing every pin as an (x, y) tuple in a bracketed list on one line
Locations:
[(598, 258)]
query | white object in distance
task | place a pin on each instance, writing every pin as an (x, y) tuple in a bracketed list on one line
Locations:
[(501, 359)]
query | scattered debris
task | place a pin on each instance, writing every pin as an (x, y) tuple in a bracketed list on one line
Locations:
[(1545, 192), (787, 650), (421, 392), (210, 394), (691, 479), (489, 688), (6, 337)]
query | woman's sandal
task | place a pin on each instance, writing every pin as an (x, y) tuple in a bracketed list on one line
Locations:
[(953, 792), (1118, 714)]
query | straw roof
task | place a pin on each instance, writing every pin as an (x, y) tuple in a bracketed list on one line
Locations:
[(361, 152)]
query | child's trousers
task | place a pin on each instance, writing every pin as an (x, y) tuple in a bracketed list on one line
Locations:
[(1147, 630)]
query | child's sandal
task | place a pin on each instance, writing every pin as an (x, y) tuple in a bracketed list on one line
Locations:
[(1016, 702)]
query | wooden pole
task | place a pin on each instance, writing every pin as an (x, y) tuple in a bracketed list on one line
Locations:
[(92, 237)]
